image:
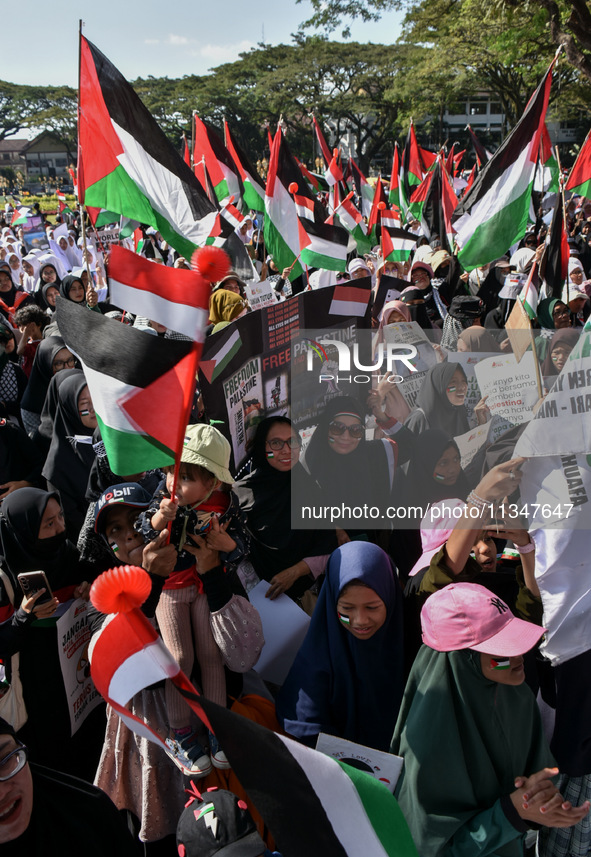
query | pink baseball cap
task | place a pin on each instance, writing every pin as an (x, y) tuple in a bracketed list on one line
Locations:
[(436, 528), (468, 616)]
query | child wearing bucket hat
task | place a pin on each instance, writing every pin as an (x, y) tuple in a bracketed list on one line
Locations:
[(477, 767), (208, 531)]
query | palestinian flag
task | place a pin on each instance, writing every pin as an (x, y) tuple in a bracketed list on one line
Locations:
[(174, 297), (127, 165), (334, 173), (322, 244), (186, 153), (351, 299), (350, 217), (222, 170), (281, 226), (20, 215), (428, 158), (220, 349), (104, 218), (482, 156), (334, 809), (494, 214), (362, 188), (141, 386), (419, 198), (440, 203), (379, 204), (64, 208), (234, 217), (316, 183), (397, 243), (412, 167), (394, 192), (529, 299), (554, 263), (579, 180), (548, 174), (253, 190), (326, 153)]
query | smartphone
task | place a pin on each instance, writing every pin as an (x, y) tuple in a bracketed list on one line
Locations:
[(32, 581)]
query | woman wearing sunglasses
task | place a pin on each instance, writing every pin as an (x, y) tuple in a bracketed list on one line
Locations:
[(289, 559), (355, 476)]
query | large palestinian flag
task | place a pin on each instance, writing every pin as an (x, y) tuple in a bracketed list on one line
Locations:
[(141, 386), (312, 804), (128, 166), (254, 192), (222, 169), (494, 214)]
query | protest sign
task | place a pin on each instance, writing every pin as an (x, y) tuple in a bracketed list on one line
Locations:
[(284, 627), (555, 492), (510, 386), (108, 236), (471, 441), (260, 295), (404, 331), (73, 640), (34, 235), (385, 767), (468, 360), (562, 424), (244, 374)]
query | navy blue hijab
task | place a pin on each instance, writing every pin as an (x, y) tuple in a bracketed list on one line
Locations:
[(339, 684)]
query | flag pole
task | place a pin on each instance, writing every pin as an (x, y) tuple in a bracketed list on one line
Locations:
[(561, 192), (531, 335)]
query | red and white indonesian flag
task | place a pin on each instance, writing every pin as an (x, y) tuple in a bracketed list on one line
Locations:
[(350, 300), (174, 297)]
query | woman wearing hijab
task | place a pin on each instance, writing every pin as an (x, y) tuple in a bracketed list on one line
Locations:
[(289, 559), (558, 351), (51, 270), (477, 767), (421, 276), (394, 311), (33, 538), (350, 471), (477, 340), (51, 356), (71, 453), (225, 306), (348, 676), (414, 299), (440, 401), (11, 296), (553, 314), (30, 265), (435, 470), (13, 381)]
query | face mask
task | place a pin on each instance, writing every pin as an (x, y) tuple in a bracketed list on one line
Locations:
[(49, 546)]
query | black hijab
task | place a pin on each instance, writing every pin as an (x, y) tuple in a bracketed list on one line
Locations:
[(41, 296), (428, 448), (418, 312), (22, 549), (437, 410), (360, 477), (68, 462), (44, 433), (265, 496), (41, 374), (66, 285)]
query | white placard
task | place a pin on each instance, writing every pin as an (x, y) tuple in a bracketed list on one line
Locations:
[(510, 386), (284, 628), (385, 767), (260, 295), (73, 639)]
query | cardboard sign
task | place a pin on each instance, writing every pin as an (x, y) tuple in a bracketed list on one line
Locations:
[(73, 640), (385, 767)]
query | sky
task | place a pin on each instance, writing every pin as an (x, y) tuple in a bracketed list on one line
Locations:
[(140, 40)]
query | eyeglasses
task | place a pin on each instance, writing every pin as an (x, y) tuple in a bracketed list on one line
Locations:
[(343, 276), (13, 763), (277, 444), (561, 313), (61, 364), (357, 430)]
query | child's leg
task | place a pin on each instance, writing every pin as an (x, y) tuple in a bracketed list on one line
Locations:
[(174, 619), (213, 679)]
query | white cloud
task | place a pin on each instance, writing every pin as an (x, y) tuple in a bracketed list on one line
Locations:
[(174, 39), (223, 53)]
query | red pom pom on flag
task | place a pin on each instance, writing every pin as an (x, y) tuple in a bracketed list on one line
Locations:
[(292, 187), (120, 589), (212, 263), (381, 205), (335, 153)]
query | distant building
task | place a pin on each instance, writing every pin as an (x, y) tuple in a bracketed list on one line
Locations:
[(11, 154), (46, 156)]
